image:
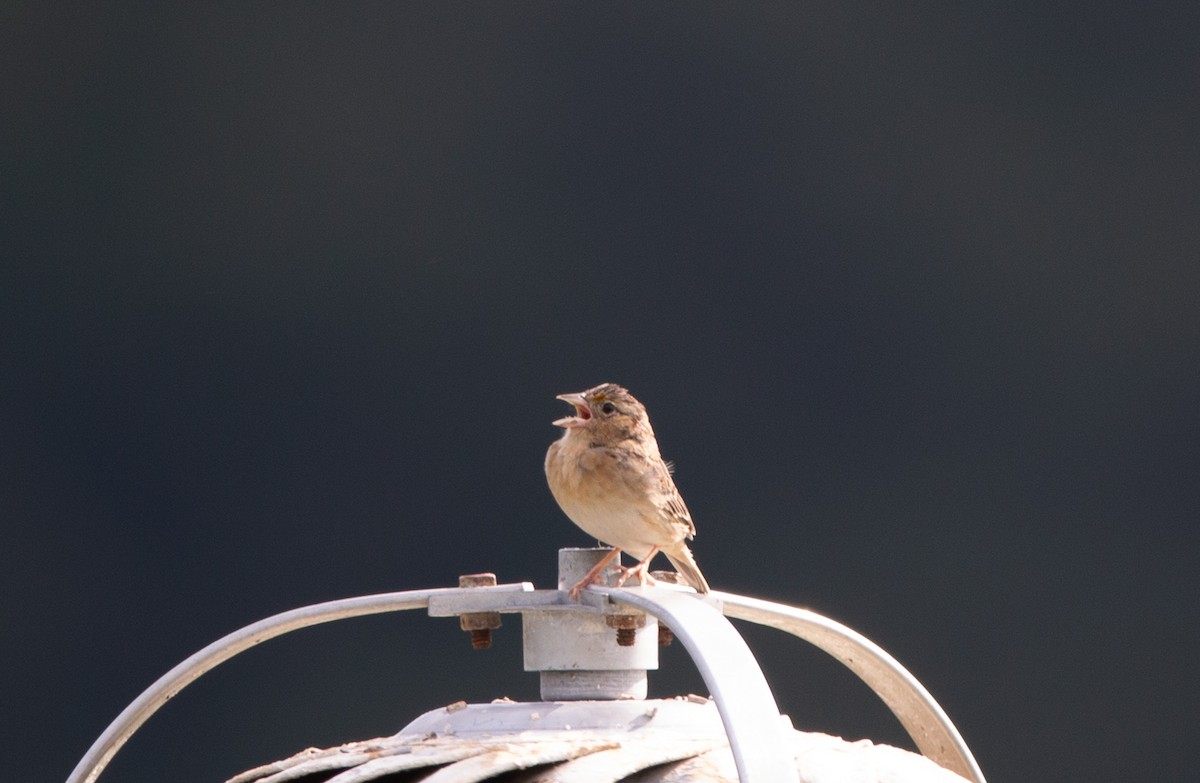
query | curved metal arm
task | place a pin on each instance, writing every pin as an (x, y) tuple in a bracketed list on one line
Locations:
[(761, 748), (171, 683), (916, 709), (743, 697)]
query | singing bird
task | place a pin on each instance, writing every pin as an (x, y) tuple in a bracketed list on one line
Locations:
[(607, 475)]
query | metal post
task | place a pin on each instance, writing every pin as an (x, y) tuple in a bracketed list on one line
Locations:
[(578, 653)]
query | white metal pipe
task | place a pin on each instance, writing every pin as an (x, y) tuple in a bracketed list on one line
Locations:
[(187, 672), (922, 717), (757, 734)]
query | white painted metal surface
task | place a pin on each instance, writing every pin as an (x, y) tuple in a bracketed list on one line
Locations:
[(664, 741), (759, 741), (577, 653), (171, 683), (921, 716), (747, 706)]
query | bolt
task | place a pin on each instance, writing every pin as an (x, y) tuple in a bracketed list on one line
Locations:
[(479, 624), (626, 626), (477, 580), (665, 636)]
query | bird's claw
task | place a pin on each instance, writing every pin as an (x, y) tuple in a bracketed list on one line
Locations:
[(641, 571)]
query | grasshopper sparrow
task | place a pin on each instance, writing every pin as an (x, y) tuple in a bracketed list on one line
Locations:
[(608, 477)]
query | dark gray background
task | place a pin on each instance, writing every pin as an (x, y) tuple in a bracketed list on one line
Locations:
[(910, 294)]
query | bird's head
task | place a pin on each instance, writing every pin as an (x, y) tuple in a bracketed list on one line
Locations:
[(606, 412)]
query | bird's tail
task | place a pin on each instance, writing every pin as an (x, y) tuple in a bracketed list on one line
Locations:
[(685, 564)]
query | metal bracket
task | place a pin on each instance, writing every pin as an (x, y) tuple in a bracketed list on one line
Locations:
[(747, 707), (757, 733), (922, 717)]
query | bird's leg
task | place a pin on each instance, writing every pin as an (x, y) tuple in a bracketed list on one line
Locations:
[(594, 575), (641, 570)]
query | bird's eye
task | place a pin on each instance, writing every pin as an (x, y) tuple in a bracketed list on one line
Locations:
[(608, 407)]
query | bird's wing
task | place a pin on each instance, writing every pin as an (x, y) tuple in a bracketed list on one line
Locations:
[(671, 501)]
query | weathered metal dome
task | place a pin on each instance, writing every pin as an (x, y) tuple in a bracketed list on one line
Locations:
[(662, 740)]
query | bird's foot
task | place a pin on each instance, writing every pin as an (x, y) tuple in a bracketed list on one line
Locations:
[(578, 587), (641, 571), (594, 575)]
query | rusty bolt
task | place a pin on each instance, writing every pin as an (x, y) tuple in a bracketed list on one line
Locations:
[(477, 580), (479, 624), (665, 636), (626, 626)]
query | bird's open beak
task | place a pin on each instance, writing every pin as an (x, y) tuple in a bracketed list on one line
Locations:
[(582, 414)]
